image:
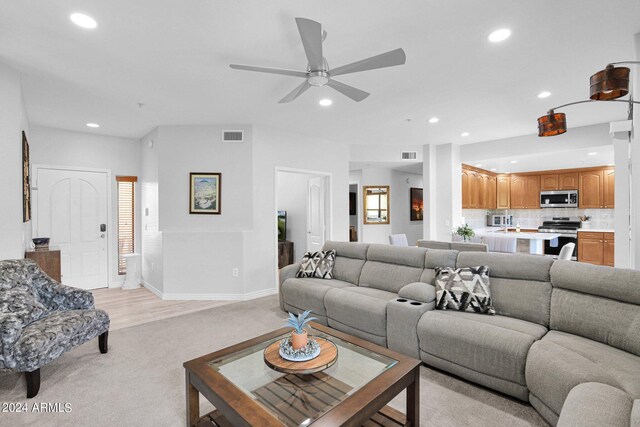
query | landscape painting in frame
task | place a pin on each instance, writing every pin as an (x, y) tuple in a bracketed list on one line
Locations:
[(417, 204), (204, 193)]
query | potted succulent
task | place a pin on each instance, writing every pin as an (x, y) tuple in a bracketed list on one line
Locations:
[(299, 338), (465, 231)]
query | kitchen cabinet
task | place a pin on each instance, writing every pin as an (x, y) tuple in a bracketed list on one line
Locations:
[(474, 188), (596, 248), (532, 192), (517, 192), (590, 193), (549, 182), (465, 189), (568, 181), (503, 192), (608, 188), (490, 191)]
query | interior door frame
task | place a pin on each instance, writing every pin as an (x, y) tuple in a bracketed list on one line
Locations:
[(107, 172), (328, 234)]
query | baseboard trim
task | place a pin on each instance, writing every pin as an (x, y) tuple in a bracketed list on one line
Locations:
[(209, 297)]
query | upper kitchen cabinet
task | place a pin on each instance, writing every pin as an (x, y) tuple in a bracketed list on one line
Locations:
[(608, 193), (490, 192), (517, 192), (532, 192), (593, 186), (568, 181), (465, 189), (549, 182), (503, 192)]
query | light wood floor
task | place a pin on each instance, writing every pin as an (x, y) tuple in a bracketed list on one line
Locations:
[(138, 306)]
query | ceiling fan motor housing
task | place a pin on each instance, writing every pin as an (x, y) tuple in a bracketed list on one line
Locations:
[(318, 78)]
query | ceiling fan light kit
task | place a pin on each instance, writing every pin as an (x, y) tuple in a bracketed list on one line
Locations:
[(605, 85), (318, 73)]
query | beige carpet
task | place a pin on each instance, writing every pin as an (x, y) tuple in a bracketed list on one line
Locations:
[(140, 382)]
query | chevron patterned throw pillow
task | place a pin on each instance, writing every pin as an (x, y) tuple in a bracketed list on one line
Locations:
[(317, 264), (464, 289)]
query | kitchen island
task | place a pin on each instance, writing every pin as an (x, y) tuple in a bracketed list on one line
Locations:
[(536, 240)]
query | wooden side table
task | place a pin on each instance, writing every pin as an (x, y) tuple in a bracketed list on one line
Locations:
[(285, 253), (48, 260)]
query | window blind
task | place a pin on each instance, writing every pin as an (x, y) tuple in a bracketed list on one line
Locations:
[(126, 219)]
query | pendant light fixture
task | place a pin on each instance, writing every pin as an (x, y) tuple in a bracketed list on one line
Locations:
[(605, 85)]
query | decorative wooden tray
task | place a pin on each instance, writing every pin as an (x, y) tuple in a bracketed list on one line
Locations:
[(327, 357)]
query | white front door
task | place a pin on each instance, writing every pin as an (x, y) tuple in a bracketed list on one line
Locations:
[(71, 208), (316, 214)]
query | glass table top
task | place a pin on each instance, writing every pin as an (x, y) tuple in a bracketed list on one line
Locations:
[(298, 400)]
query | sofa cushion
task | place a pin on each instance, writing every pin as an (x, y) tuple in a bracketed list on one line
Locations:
[(560, 361), (619, 284), (596, 405), (418, 291), (22, 304), (463, 289), (389, 268), (309, 293), (350, 258), (520, 284), (492, 345), (47, 338), (317, 264), (606, 320), (363, 309)]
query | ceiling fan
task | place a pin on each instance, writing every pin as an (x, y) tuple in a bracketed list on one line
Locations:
[(318, 72)]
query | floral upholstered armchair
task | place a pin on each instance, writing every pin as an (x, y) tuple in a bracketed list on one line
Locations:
[(40, 319)]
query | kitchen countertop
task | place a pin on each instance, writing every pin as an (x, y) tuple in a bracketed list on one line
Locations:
[(596, 230), (491, 231)]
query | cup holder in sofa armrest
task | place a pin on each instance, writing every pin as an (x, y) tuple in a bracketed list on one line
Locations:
[(415, 303), (401, 300)]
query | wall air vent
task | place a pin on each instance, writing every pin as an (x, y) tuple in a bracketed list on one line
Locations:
[(409, 155), (232, 136)]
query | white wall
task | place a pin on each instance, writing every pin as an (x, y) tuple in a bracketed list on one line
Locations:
[(14, 234), (121, 156), (151, 236), (292, 194)]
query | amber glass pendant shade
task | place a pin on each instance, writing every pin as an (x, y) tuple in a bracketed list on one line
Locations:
[(610, 83), (552, 124)]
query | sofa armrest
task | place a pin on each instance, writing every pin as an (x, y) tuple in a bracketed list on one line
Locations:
[(286, 272), (418, 291), (10, 330), (57, 296)]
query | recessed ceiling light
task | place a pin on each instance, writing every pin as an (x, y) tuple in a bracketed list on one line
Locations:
[(513, 162), (93, 125), (478, 165), (593, 153), (434, 120), (493, 169), (463, 134), (499, 35), (84, 21), (544, 94), (325, 102)]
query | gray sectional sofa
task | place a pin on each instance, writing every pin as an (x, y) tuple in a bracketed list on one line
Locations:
[(565, 337)]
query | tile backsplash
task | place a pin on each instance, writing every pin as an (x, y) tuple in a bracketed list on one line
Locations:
[(533, 218)]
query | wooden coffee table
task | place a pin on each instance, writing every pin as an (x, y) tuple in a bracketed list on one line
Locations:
[(352, 392)]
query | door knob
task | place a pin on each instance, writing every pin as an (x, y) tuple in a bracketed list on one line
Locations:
[(102, 236)]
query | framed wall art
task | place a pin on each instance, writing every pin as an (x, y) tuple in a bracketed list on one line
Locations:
[(417, 204), (204, 193), (26, 178)]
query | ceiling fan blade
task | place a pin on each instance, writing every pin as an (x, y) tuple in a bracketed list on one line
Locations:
[(387, 59), (350, 91), (299, 90), (311, 35), (269, 70)]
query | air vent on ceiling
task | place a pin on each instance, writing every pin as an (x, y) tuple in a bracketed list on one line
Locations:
[(232, 136), (409, 155)]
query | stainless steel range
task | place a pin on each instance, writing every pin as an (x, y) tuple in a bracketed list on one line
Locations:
[(567, 227)]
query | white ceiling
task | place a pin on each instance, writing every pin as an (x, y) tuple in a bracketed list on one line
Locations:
[(173, 56), (541, 161)]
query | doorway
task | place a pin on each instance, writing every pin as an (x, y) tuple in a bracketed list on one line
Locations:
[(303, 200), (71, 207), (354, 209)]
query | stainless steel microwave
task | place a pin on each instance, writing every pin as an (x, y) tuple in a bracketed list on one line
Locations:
[(559, 199)]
